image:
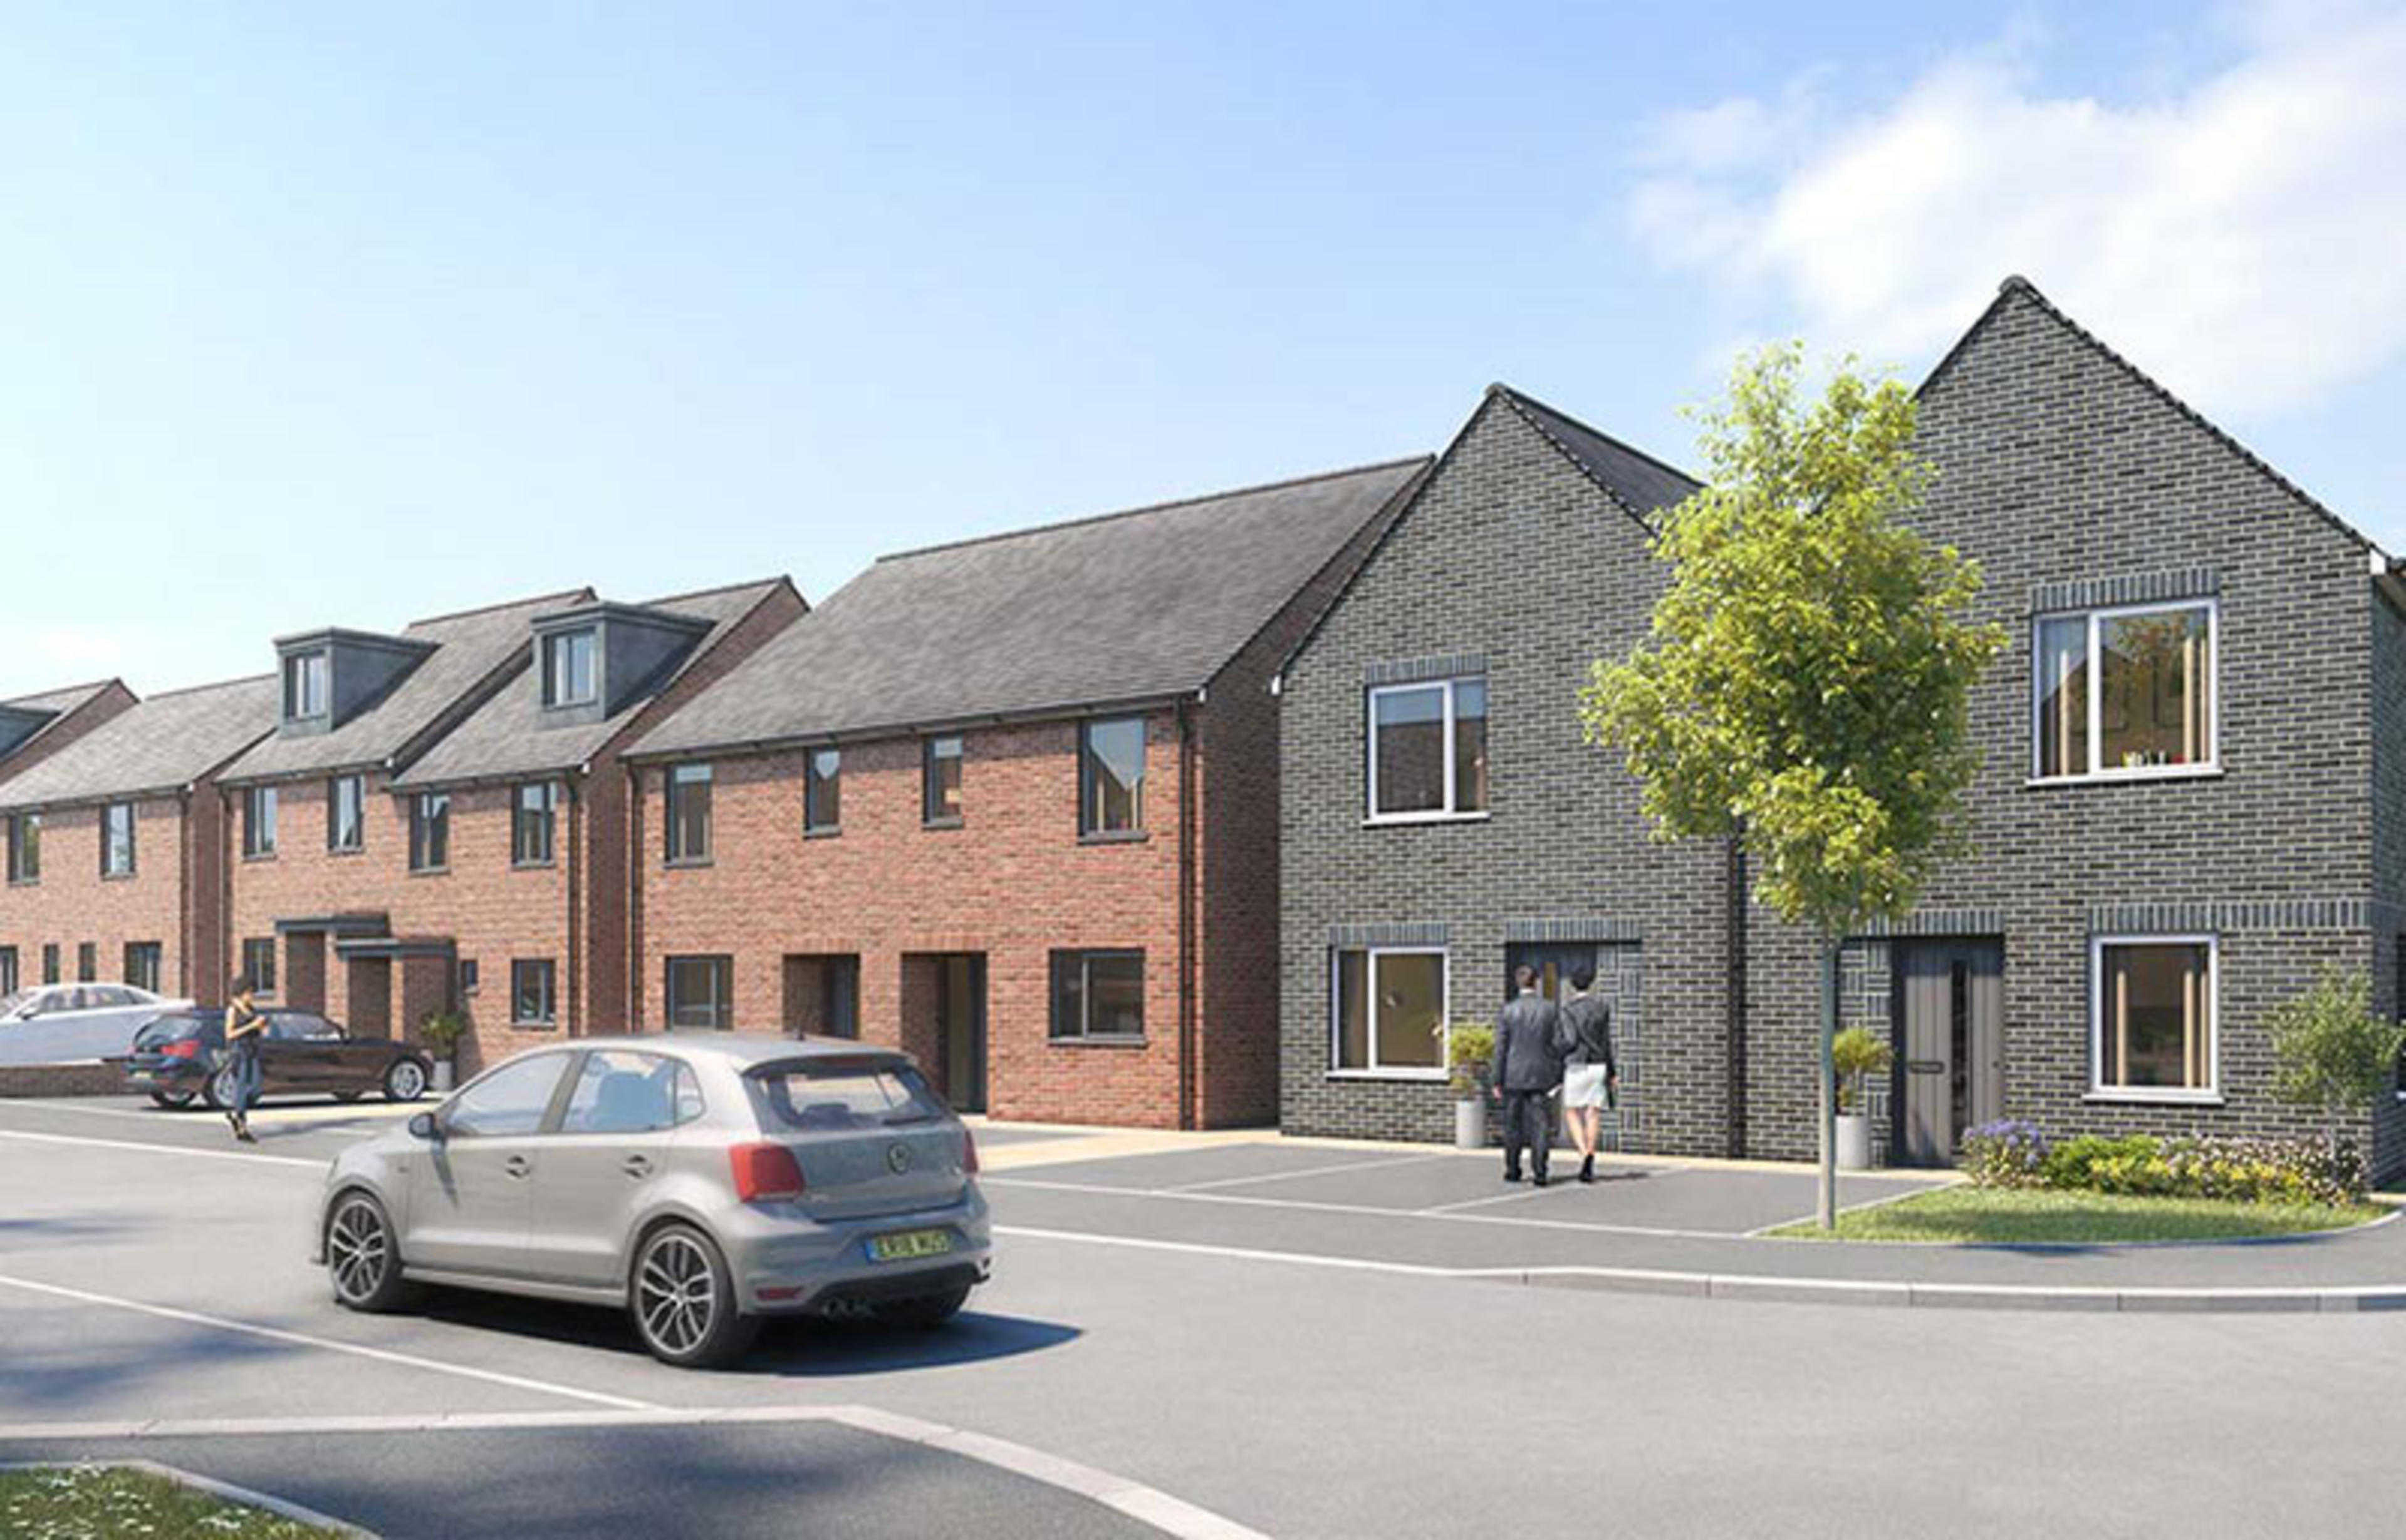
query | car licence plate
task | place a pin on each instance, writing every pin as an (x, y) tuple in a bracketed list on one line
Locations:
[(909, 1244)]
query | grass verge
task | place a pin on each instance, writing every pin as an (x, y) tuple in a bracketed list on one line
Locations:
[(104, 1503), (2014, 1216)]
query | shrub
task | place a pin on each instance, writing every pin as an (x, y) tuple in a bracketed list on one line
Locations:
[(1469, 1046), (1854, 1054), (2006, 1154)]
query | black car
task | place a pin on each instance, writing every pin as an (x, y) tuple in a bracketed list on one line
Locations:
[(175, 1060)]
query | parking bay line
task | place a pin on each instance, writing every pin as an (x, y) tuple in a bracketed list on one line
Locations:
[(153, 1147), (1313, 1171), (303, 1339), (1309, 1206), (1147, 1506)]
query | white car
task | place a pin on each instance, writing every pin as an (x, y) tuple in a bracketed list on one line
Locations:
[(64, 1023)]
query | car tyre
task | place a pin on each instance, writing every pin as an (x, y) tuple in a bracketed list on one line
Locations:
[(681, 1296), (404, 1079), (363, 1256), (921, 1312), (217, 1090), (348, 1095), (174, 1101)]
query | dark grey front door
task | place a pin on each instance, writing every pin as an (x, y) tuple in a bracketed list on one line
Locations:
[(960, 1016), (1554, 961), (1950, 1069)]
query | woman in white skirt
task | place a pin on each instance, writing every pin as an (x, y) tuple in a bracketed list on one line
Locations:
[(1589, 1076)]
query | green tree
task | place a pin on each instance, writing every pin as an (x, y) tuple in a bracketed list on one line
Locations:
[(1804, 686), (2333, 1051)]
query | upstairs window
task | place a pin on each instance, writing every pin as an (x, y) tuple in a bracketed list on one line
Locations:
[(822, 791), (2126, 692), (688, 823), (1428, 750), (1111, 776), (939, 781), (26, 848), (568, 677), (305, 686), (533, 814), (429, 831), (258, 821), (347, 799), (117, 840)]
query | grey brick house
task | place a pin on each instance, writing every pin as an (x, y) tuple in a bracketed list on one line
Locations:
[(2193, 793)]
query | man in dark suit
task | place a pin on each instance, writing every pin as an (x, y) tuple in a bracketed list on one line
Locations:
[(1527, 1066)]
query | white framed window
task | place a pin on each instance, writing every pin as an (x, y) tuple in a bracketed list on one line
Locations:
[(2125, 693), (1427, 749), (1388, 1011), (2152, 1018)]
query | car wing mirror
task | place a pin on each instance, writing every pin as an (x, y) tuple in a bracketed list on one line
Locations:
[(425, 1125)]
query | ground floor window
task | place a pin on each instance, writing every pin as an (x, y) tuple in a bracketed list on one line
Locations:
[(259, 962), (534, 985), (7, 972), (142, 964), (2154, 1016), (1389, 1010), (702, 993), (87, 962), (1097, 994), (50, 961)]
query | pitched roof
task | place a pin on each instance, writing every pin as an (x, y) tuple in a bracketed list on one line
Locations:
[(61, 704), (1641, 485), (503, 737), (2015, 286), (162, 744), (1133, 606), (468, 649)]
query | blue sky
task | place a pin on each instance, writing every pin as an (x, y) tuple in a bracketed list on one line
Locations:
[(322, 314)]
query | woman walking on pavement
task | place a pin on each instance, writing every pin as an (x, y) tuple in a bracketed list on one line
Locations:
[(1589, 1076), (243, 1026)]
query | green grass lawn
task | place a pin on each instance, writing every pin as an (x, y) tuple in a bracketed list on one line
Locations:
[(103, 1503), (1975, 1215)]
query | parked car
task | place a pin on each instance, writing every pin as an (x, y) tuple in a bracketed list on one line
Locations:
[(63, 1024), (174, 1061), (700, 1183)]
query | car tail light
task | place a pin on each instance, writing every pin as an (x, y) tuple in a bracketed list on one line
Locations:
[(765, 1171), (189, 1048), (968, 1153)]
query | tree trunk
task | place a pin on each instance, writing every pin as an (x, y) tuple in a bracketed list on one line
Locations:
[(1829, 1205)]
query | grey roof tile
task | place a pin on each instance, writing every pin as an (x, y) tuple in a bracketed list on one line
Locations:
[(162, 744), (1640, 483), (468, 648), (62, 704), (503, 740), (1132, 606)]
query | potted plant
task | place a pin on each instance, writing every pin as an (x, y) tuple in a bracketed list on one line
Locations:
[(441, 1032), (1856, 1052), (1468, 1047)]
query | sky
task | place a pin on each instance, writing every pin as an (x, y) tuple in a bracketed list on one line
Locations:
[(340, 313)]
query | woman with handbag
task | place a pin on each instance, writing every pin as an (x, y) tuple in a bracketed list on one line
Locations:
[(1589, 1076), (244, 1026)]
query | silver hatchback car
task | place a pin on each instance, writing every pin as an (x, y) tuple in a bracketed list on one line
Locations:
[(702, 1181)]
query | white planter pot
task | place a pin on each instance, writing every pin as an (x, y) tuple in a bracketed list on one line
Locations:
[(1854, 1142), (443, 1074), (1470, 1124)]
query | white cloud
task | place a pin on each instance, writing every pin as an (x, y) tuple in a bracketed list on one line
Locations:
[(2241, 236)]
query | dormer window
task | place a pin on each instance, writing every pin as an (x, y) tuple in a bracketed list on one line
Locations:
[(568, 674), (305, 686)]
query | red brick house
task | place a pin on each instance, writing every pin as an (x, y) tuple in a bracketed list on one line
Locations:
[(113, 844), (532, 892), (1011, 804)]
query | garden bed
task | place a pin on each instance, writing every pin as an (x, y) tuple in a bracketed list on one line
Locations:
[(1972, 1216), (106, 1502)]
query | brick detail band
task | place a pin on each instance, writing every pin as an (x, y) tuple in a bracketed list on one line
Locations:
[(2097, 593), (1411, 670), (1418, 934), (2344, 914), (1593, 927)]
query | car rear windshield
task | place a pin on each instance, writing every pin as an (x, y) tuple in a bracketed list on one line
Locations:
[(169, 1029), (844, 1094)]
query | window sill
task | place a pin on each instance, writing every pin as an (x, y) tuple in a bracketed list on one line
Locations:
[(1392, 820), (686, 863), (1412, 1077), (2111, 778), (25, 882), (534, 865), (429, 872), (2155, 1099), (116, 876), (250, 857), (939, 823), (347, 850), (1098, 1040), (831, 832), (534, 1026), (1115, 837)]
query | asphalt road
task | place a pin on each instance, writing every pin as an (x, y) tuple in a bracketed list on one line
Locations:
[(1293, 1400)]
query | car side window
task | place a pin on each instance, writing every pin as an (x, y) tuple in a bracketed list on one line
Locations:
[(285, 1027), (617, 1092), (510, 1100)]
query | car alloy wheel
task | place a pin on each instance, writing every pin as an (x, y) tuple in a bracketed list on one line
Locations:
[(221, 1088), (360, 1258), (684, 1303), (405, 1081)]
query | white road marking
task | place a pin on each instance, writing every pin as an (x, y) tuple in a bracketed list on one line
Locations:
[(148, 1147), (1882, 1201), (1312, 1171), (302, 1340), (1147, 1506), (1315, 1207)]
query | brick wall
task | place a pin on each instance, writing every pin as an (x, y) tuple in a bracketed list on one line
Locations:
[(74, 904)]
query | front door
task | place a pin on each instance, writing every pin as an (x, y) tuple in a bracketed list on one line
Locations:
[(1951, 1069), (960, 1018), (1554, 961)]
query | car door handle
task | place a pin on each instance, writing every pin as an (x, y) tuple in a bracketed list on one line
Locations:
[(636, 1166), (517, 1165)]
